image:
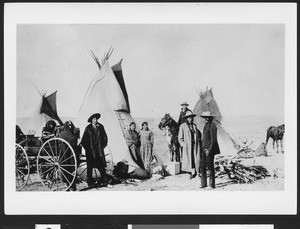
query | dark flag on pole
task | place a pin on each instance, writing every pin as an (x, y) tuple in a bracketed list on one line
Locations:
[(49, 107)]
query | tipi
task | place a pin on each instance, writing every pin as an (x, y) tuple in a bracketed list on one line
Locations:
[(107, 95), (45, 111), (206, 102)]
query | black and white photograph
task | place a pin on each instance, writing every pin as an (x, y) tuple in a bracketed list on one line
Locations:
[(194, 108), (147, 142)]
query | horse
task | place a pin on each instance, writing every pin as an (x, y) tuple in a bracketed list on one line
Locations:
[(171, 129), (276, 133)]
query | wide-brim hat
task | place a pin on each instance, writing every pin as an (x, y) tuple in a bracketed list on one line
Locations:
[(189, 114), (207, 114), (184, 103), (96, 115)]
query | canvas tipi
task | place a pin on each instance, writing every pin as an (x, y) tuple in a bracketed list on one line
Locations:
[(107, 95), (206, 102), (45, 111)]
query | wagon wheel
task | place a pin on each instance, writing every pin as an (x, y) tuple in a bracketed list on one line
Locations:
[(22, 167), (56, 164)]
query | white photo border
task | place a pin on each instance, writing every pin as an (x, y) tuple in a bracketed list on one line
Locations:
[(138, 203)]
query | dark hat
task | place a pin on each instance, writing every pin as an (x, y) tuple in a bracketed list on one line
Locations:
[(189, 114), (96, 115), (184, 103), (207, 114)]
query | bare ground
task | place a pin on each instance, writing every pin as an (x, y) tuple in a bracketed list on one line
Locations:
[(181, 182)]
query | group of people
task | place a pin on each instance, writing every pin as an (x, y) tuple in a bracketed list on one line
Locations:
[(95, 139), (198, 150), (140, 144)]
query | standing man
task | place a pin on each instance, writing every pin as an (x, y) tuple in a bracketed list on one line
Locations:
[(181, 119), (184, 109), (94, 140), (189, 138), (210, 148)]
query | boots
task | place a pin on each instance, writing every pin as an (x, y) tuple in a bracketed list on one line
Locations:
[(211, 179), (203, 179)]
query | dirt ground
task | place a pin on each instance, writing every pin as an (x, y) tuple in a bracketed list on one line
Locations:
[(181, 182)]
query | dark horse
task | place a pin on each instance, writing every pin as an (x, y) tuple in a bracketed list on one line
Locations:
[(171, 128), (276, 133)]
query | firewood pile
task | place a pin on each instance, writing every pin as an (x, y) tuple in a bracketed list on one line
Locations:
[(246, 150), (232, 167)]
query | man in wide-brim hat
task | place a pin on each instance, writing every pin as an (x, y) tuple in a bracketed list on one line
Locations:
[(96, 115), (184, 103), (184, 109), (94, 140), (210, 148), (189, 114), (207, 114), (189, 138)]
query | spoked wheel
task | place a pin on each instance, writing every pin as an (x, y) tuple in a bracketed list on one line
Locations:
[(22, 167), (56, 164)]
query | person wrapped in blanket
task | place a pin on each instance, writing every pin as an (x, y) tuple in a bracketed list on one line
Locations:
[(49, 130)]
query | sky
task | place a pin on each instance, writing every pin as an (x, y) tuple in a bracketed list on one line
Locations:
[(163, 65)]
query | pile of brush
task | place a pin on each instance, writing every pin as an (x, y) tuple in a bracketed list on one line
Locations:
[(245, 150), (233, 168)]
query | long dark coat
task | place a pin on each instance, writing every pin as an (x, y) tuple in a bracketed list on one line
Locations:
[(94, 142), (189, 147), (210, 141)]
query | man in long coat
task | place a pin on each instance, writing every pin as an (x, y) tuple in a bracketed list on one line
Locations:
[(181, 119), (94, 140), (189, 138), (210, 149)]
